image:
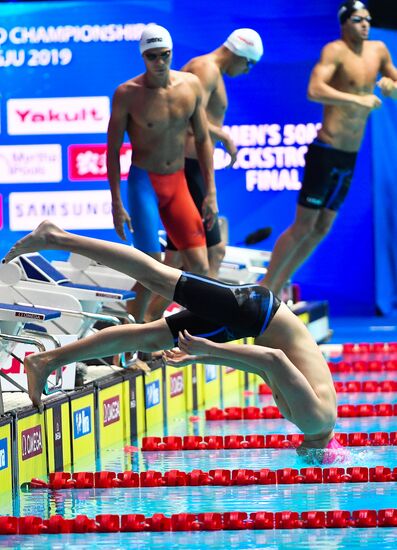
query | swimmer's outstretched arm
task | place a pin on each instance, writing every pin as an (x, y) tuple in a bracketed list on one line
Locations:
[(273, 364), (177, 358)]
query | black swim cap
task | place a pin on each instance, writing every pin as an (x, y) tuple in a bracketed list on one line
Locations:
[(348, 8)]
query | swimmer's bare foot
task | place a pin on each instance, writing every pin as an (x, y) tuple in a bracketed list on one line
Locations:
[(44, 236), (132, 362), (36, 370), (140, 365)]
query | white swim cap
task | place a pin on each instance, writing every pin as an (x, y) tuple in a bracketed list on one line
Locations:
[(155, 36), (245, 43)]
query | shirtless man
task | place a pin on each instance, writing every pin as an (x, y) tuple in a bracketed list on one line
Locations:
[(343, 81), (284, 355), (237, 55), (156, 109)]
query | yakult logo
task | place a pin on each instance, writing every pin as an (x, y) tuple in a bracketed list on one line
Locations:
[(88, 162), (176, 384), (111, 410), (58, 115), (82, 422), (3, 454), (153, 394), (31, 442)]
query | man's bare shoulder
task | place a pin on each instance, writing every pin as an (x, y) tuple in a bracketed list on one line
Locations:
[(200, 62), (377, 45), (189, 79), (203, 65), (130, 86), (335, 48)]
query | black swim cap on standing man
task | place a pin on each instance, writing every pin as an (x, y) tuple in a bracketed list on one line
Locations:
[(348, 8)]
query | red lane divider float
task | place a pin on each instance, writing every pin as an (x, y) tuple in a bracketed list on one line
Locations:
[(370, 349), (271, 411), (351, 386), (216, 477), (257, 441), (390, 365), (207, 521)]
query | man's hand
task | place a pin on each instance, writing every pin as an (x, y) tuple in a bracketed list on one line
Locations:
[(209, 210), (387, 87), (231, 148), (369, 101), (177, 358), (120, 217), (193, 345)]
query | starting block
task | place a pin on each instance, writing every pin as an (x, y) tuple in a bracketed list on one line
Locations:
[(13, 320)]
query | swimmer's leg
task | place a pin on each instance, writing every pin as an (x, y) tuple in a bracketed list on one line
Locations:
[(152, 274), (143, 208), (296, 244)]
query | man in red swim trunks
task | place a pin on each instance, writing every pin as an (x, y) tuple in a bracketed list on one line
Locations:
[(156, 109), (241, 51)]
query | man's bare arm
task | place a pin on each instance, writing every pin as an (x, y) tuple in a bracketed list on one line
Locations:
[(177, 358), (271, 364), (209, 76), (388, 82), (115, 136), (218, 134), (320, 90), (301, 400)]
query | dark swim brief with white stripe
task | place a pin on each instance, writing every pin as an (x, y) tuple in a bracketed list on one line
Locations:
[(327, 177), (221, 312)]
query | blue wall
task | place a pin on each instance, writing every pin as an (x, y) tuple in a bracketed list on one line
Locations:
[(342, 270), (384, 148)]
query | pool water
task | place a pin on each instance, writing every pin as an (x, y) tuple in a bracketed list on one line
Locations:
[(172, 500)]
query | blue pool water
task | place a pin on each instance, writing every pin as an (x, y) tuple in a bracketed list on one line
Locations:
[(171, 500)]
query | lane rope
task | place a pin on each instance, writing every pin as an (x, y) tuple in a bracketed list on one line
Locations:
[(206, 521), (214, 477)]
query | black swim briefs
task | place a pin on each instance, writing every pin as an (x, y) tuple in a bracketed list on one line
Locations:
[(221, 312), (327, 177)]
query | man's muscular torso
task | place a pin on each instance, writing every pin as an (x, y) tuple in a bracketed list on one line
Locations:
[(158, 119), (343, 126)]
